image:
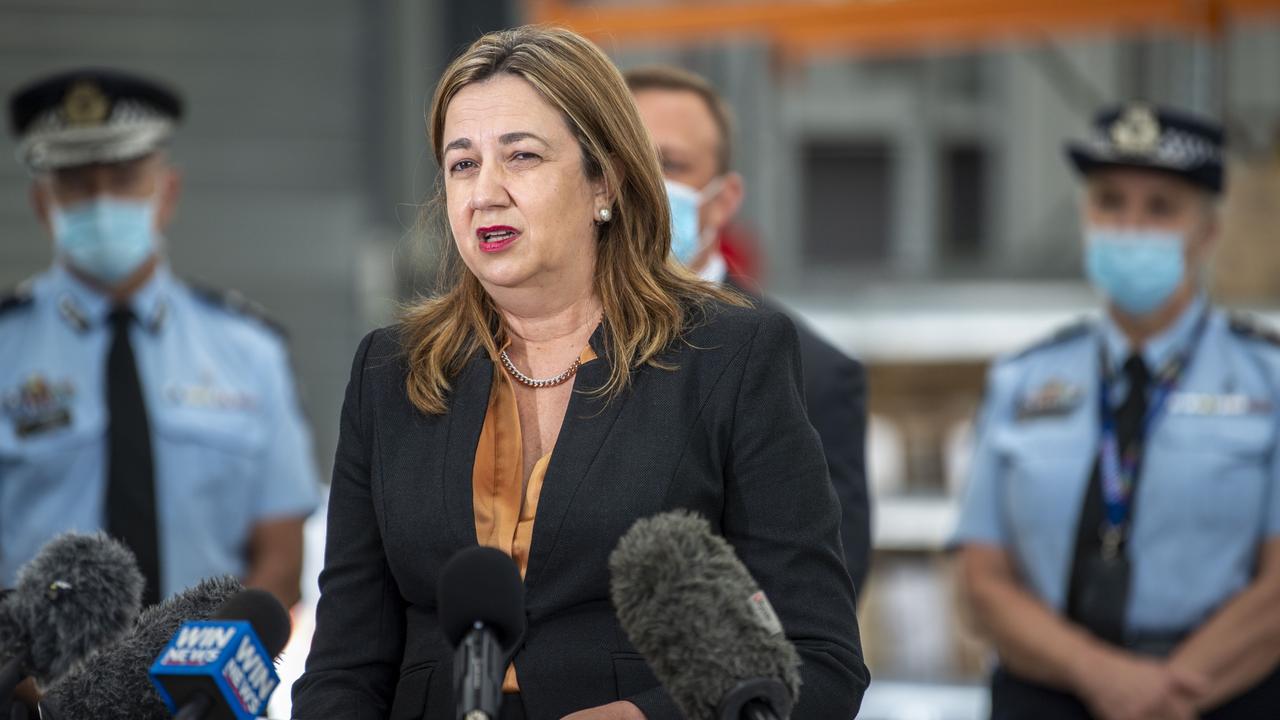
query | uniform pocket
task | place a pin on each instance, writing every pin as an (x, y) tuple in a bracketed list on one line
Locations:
[(49, 483), (209, 472), (1045, 477), (1211, 473), (40, 469), (411, 693), (216, 454), (236, 432)]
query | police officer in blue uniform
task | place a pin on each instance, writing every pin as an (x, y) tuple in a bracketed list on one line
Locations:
[(1119, 541), (128, 400)]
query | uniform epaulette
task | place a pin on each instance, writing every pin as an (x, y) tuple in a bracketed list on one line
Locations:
[(19, 297), (1250, 326), (234, 302), (1069, 332)]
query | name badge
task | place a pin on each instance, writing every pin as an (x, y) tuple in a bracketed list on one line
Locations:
[(38, 406), (208, 397), (1185, 403), (1055, 398)]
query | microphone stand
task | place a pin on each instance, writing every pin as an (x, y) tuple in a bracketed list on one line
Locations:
[(477, 675)]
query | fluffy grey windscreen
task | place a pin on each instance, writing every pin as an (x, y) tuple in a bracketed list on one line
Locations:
[(694, 612), (112, 683), (78, 593)]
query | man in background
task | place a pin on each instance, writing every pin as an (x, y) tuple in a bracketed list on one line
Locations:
[(691, 126), (129, 401)]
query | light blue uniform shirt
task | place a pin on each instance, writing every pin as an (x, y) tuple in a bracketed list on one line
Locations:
[(229, 441), (1209, 493)]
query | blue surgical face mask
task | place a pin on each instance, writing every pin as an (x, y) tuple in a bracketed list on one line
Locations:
[(106, 238), (687, 238), (1138, 270)]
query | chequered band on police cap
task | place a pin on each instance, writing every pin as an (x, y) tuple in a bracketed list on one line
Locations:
[(1175, 149), (90, 115), (132, 130)]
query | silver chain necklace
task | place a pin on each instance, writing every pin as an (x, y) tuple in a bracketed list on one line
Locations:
[(534, 382)]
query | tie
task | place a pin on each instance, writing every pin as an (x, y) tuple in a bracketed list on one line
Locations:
[(1134, 408), (1097, 598), (131, 495)]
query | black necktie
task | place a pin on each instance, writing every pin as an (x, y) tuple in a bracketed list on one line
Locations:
[(1098, 592), (1133, 410), (131, 493)]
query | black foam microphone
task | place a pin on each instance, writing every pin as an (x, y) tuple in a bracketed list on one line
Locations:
[(112, 683), (79, 593), (480, 599), (694, 612)]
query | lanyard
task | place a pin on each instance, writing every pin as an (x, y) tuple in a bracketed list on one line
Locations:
[(1119, 473)]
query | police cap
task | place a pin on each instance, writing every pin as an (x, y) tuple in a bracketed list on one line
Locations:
[(1139, 135), (91, 115)]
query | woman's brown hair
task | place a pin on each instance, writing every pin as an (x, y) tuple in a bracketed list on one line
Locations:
[(648, 298)]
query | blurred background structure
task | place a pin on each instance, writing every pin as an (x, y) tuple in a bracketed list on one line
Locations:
[(906, 194)]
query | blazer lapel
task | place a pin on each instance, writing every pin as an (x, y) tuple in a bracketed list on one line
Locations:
[(587, 423), (466, 414)]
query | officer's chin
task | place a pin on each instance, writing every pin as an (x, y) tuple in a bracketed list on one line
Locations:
[(119, 288)]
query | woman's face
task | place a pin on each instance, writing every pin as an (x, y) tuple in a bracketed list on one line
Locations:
[(521, 207)]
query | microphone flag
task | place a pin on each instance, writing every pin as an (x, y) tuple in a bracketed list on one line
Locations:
[(220, 657)]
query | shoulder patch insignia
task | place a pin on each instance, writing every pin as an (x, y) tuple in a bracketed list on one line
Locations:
[(1253, 328), (234, 302), (1069, 332)]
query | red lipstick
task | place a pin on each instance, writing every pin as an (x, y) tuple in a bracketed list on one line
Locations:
[(494, 238)]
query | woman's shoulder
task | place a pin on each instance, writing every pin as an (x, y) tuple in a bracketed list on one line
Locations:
[(716, 323), (381, 349)]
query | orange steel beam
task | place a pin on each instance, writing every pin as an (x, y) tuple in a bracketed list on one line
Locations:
[(914, 24), (885, 25)]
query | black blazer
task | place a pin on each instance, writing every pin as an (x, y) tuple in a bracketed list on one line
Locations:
[(724, 435), (835, 393)]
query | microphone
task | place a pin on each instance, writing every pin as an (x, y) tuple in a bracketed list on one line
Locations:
[(79, 593), (480, 600), (112, 682), (11, 676), (222, 668), (694, 612)]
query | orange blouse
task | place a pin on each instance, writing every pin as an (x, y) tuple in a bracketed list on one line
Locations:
[(505, 503)]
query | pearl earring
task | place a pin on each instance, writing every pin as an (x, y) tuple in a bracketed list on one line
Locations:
[(605, 215)]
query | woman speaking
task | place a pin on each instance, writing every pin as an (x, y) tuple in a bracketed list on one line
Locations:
[(567, 380)]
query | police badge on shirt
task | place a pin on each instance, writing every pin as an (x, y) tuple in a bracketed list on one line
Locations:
[(38, 406), (1055, 398)]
